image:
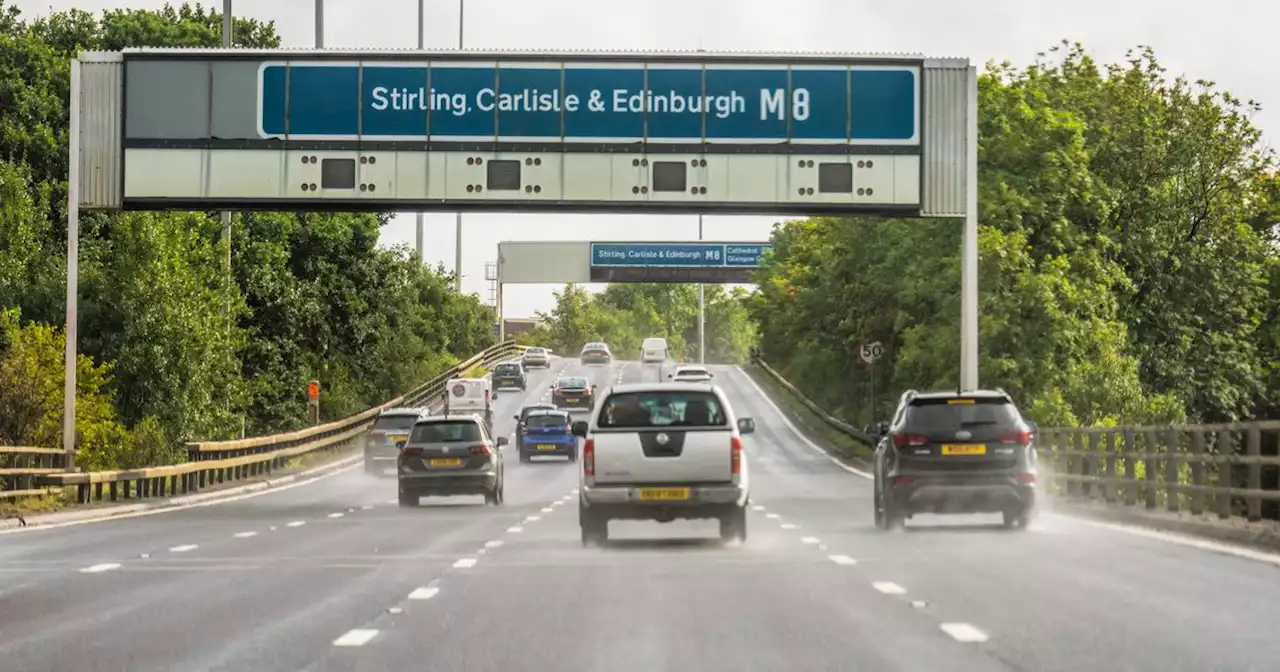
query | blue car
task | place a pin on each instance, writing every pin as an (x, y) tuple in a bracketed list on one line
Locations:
[(547, 432)]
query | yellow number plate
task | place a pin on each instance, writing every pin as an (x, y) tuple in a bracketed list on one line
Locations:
[(446, 462), (395, 438), (546, 446), (573, 400), (964, 449), (664, 493)]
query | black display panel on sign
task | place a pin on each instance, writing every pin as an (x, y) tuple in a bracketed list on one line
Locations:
[(503, 175), (835, 178), (713, 276), (669, 176), (337, 173)]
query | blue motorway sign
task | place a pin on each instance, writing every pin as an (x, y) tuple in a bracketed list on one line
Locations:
[(684, 255), (693, 103)]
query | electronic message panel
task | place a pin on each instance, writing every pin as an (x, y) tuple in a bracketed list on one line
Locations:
[(520, 131)]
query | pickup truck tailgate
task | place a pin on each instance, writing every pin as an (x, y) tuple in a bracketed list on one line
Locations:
[(669, 455)]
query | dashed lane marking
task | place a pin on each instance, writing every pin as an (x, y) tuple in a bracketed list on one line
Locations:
[(842, 560), (493, 544), (515, 529), (533, 519), (963, 632), (547, 509), (757, 507), (809, 540), (102, 567), (297, 523), (789, 526), (358, 637), (183, 548), (771, 516), (424, 593), (888, 588), (464, 563), (245, 535), (336, 515)]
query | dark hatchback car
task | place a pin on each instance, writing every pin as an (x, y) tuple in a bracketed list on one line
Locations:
[(946, 452), (525, 413), (510, 374), (574, 394), (381, 445), (451, 456), (547, 432)]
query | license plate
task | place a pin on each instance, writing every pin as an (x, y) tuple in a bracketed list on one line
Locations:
[(572, 401), (546, 446), (664, 493), (964, 449), (446, 462), (396, 438)]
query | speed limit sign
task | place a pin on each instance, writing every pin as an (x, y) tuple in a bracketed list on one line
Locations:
[(870, 352)]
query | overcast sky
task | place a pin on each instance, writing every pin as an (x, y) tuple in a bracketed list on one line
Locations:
[(1223, 41)]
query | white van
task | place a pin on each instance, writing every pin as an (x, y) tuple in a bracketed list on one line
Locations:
[(467, 396), (653, 350)]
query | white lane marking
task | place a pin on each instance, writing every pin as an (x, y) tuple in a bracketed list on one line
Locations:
[(842, 560), (575, 491), (336, 515), (1182, 540), (556, 503), (144, 556), (358, 637), (273, 528), (245, 535), (547, 509), (395, 610), (771, 516), (789, 526), (183, 548), (366, 507), (787, 422), (963, 632), (757, 507), (297, 523), (464, 563), (424, 593), (918, 604), (515, 529), (392, 501), (533, 519), (888, 588), (102, 567), (493, 544), (809, 540)]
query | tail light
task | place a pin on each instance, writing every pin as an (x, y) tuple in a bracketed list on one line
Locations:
[(481, 449), (1025, 479), (412, 452), (735, 455), (902, 440), (589, 457), (1021, 438), (903, 480)]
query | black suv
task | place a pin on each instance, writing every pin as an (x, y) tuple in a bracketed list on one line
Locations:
[(948, 452), (510, 374)]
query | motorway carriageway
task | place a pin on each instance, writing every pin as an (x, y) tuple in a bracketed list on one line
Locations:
[(333, 575)]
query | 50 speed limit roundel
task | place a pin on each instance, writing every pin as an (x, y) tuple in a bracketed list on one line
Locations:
[(459, 390)]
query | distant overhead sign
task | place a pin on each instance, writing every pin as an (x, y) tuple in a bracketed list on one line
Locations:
[(447, 99), (675, 262)]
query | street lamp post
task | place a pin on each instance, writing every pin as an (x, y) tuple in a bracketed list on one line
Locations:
[(457, 222), (702, 312)]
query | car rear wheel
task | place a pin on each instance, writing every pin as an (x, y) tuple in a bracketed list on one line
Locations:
[(734, 526), (1017, 520), (888, 516), (595, 528), (408, 499)]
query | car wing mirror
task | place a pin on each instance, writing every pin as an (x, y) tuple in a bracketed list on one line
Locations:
[(746, 425), (516, 417), (502, 441), (579, 429), (1032, 426)]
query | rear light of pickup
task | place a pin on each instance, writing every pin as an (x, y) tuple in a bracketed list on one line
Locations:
[(589, 458), (735, 456)]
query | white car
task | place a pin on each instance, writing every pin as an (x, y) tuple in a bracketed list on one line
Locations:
[(690, 374), (663, 451)]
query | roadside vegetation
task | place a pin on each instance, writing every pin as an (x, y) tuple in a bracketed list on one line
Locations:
[(171, 349)]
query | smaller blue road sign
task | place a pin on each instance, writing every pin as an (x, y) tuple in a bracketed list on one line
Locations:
[(679, 255)]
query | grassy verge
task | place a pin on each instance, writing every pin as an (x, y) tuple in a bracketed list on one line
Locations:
[(477, 371), (808, 422)]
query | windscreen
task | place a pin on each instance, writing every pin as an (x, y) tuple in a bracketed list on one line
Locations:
[(954, 414), (394, 422), (547, 420), (663, 409), (508, 368), (574, 383), (443, 432)]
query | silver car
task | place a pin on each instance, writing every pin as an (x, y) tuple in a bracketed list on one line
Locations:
[(452, 455), (389, 431), (538, 357)]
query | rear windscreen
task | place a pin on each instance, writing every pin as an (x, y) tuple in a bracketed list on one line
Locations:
[(535, 351), (394, 422), (508, 368), (951, 414), (441, 432), (573, 383), (663, 409), (547, 420)]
